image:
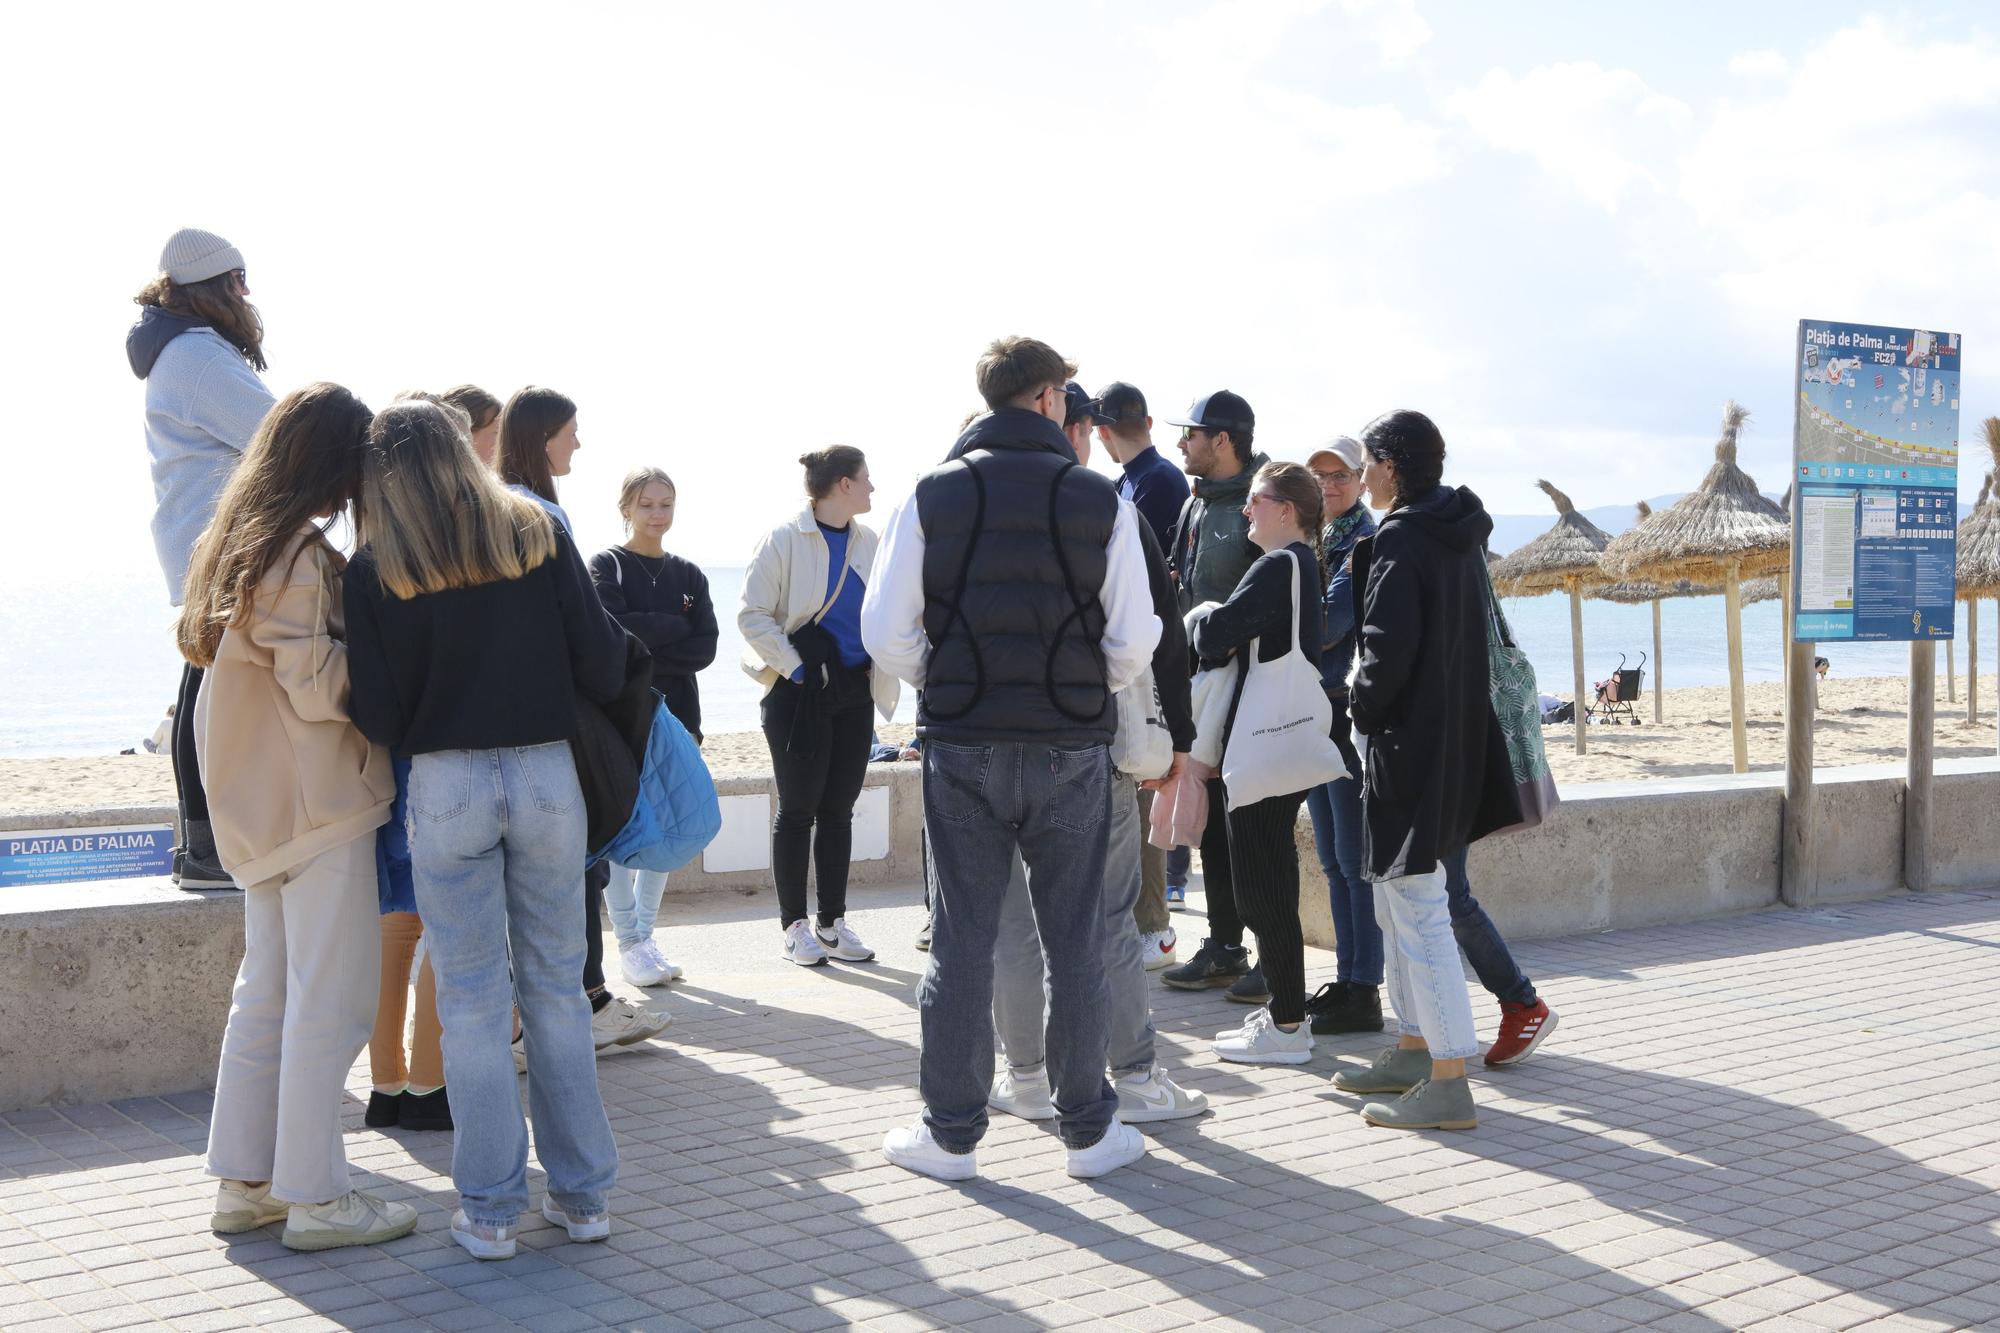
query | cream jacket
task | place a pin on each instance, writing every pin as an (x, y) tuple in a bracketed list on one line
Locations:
[(785, 587), (288, 775)]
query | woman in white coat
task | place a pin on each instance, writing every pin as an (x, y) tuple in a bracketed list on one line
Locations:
[(801, 626)]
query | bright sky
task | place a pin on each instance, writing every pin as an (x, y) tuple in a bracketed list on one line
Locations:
[(734, 232)]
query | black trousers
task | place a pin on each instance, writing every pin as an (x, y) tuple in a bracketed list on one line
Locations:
[(191, 796), (816, 795), (1264, 866), (595, 877), (1217, 874)]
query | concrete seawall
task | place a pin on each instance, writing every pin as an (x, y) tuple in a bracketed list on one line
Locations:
[(120, 988)]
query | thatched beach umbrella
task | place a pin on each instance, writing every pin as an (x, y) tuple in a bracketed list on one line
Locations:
[(1979, 565), (1632, 594), (1565, 557), (1723, 532)]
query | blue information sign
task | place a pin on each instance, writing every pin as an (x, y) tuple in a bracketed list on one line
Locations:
[(1874, 483), (66, 855)]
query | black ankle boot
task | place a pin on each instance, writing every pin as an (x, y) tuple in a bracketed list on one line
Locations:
[(1343, 1006)]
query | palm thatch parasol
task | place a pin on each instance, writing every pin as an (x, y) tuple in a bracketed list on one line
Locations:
[(1564, 558), (1979, 565), (1723, 531)]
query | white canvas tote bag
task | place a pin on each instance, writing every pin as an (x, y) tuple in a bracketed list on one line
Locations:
[(1279, 743)]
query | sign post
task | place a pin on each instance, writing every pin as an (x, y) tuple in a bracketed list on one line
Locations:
[(1874, 541)]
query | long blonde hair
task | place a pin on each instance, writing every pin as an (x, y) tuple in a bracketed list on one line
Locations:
[(432, 515), (302, 463)]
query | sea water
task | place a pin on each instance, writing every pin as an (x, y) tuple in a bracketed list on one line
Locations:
[(88, 665)]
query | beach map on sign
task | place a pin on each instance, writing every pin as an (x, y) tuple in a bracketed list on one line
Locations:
[(1874, 483)]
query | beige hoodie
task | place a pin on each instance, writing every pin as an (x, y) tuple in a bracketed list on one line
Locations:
[(288, 775)]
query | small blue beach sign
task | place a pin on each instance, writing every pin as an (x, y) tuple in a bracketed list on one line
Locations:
[(1874, 483), (69, 855)]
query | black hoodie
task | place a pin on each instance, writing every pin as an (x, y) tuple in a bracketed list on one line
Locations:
[(1438, 774), (150, 336)]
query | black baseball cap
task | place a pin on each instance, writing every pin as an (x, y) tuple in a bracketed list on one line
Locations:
[(1082, 405), (1221, 410), (1121, 402)]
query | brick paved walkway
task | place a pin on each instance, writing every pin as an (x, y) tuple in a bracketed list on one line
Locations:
[(1783, 1121)]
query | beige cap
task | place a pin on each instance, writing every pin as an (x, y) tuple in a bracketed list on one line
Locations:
[(1344, 449)]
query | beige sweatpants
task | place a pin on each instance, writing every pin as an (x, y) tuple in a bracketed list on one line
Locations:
[(300, 1013)]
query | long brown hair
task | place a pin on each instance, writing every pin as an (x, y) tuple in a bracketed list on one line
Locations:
[(432, 516), (475, 402), (303, 462), (526, 423), (215, 302), (1292, 483)]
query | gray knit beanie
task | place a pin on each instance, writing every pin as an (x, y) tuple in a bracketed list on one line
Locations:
[(194, 255)]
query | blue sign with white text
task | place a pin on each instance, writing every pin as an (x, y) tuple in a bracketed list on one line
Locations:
[(1874, 483), (65, 856)]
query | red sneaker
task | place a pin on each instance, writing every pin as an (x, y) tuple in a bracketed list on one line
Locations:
[(1522, 1027)]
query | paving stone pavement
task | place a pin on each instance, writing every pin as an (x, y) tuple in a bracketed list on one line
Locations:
[(1781, 1121)]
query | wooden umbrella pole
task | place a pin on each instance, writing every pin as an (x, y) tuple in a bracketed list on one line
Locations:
[(1575, 587), (1732, 603), (1950, 672), (1922, 739), (1972, 661), (1657, 719)]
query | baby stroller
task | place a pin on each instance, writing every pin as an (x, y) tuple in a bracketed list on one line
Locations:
[(1616, 695)]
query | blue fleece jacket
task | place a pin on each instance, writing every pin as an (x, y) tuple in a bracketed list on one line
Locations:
[(203, 403)]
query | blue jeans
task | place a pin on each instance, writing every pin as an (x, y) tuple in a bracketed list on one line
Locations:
[(1426, 982), (496, 843), (983, 805), (633, 899), (1018, 1011), (1480, 938), (1336, 819)]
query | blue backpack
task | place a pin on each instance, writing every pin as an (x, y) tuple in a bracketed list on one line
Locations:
[(676, 814)]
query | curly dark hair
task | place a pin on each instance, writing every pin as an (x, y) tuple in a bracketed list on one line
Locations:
[(1410, 442)]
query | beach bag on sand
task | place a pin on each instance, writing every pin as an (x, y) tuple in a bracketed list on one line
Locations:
[(1142, 747), (1278, 742), (1517, 704)]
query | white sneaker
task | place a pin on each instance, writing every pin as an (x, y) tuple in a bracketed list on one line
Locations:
[(1261, 1042), (913, 1148), (1027, 1098), (241, 1207), (482, 1241), (842, 943), (1144, 1098), (1157, 948), (638, 965), (668, 968), (802, 946), (352, 1219), (580, 1226), (621, 1023), (1121, 1145)]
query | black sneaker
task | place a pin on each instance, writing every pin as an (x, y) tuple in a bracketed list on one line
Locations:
[(1251, 989), (195, 871), (384, 1110), (1212, 965), (427, 1110), (1342, 1006)]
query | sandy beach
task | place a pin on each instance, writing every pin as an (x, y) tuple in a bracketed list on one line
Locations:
[(1861, 721)]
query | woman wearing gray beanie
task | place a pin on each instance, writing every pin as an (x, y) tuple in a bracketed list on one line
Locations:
[(198, 345)]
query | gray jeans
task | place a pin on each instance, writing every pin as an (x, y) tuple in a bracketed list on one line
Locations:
[(984, 805), (1018, 1012)]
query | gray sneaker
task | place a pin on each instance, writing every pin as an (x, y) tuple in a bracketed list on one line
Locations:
[(1432, 1104), (1394, 1070)]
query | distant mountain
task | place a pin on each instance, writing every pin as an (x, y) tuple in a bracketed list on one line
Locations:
[(1511, 531)]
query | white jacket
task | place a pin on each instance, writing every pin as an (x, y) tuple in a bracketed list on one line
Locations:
[(785, 587)]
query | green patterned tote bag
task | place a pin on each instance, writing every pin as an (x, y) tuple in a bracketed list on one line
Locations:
[(1516, 702)]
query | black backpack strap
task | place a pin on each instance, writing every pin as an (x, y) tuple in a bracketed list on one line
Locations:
[(1079, 606), (955, 608)]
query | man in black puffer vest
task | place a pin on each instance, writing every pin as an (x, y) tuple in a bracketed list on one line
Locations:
[(1011, 589)]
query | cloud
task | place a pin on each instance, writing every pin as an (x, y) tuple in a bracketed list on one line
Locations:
[(1393, 27), (1759, 65), (1604, 133)]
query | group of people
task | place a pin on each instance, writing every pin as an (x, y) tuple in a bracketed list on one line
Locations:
[(377, 749)]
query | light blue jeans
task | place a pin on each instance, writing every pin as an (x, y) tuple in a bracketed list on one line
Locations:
[(1019, 1013), (633, 899), (1426, 980), (496, 844)]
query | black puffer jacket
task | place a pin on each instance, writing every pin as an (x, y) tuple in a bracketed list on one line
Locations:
[(1438, 775), (1014, 557)]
